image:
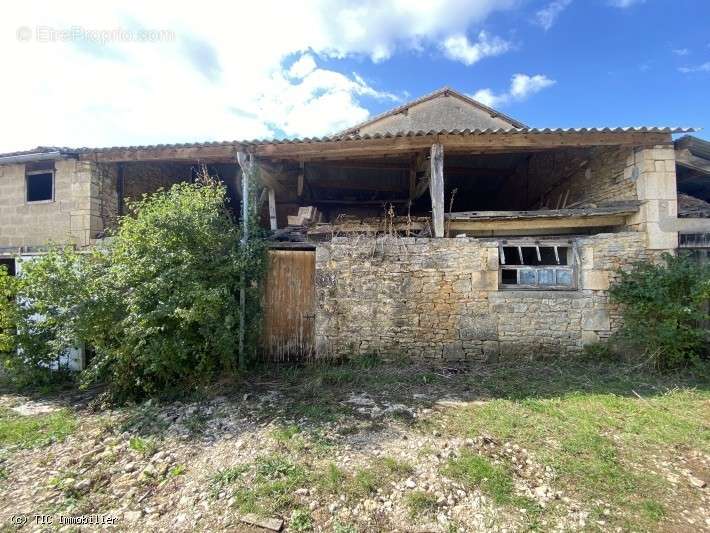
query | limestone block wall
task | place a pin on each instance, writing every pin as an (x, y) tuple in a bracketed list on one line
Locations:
[(73, 217), (439, 299), (585, 176), (656, 189)]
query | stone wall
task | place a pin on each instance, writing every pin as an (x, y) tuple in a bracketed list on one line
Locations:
[(439, 299), (585, 176), (82, 196)]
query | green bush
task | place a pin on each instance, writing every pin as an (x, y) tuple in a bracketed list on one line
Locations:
[(159, 304), (38, 314), (663, 309)]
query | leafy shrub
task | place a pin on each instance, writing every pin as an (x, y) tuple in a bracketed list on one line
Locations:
[(663, 308), (8, 316), (159, 304)]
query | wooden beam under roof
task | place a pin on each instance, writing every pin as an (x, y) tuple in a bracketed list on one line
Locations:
[(458, 143), (380, 147)]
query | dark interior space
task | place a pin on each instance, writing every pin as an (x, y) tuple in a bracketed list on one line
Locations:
[(9, 264), (39, 186)]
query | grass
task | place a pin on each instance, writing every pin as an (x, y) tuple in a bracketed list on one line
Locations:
[(421, 503), (35, 430), (265, 487), (365, 481), (595, 429), (476, 471)]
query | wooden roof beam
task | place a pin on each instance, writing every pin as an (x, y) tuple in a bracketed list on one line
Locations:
[(453, 143)]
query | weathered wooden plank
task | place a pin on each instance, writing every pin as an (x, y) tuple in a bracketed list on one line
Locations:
[(436, 189), (327, 229), (289, 304), (267, 176), (538, 223), (625, 209)]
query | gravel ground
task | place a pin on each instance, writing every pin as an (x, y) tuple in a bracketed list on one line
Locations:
[(378, 464)]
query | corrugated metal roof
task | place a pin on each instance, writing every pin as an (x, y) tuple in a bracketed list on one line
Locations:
[(358, 137), (38, 150)]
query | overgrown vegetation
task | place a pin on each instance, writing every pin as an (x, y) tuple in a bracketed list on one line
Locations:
[(158, 304), (665, 310)]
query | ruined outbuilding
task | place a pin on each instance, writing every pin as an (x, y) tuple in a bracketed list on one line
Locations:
[(442, 229)]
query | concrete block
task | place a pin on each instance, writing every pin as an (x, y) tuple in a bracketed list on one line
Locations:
[(596, 320), (657, 239), (596, 280)]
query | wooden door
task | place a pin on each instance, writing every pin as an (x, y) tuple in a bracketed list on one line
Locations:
[(289, 306)]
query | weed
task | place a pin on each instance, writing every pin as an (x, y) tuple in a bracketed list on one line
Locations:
[(301, 520), (226, 476), (653, 510), (196, 422), (401, 468), (143, 446), (339, 527), (269, 487), (285, 433), (421, 503), (176, 471), (332, 479)]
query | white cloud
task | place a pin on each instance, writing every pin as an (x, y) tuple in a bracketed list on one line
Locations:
[(705, 67), (302, 67), (547, 16), (521, 86), (623, 4), (459, 48), (681, 51), (253, 71)]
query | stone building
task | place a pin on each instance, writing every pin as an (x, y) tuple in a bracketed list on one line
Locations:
[(442, 229)]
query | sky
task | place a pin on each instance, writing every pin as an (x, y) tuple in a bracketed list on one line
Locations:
[(136, 72)]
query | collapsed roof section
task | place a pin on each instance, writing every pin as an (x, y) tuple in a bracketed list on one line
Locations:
[(692, 157)]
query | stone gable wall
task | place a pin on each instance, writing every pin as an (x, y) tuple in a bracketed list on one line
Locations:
[(439, 299)]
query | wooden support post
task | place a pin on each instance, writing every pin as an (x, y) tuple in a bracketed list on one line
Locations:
[(272, 210), (413, 178), (301, 179), (436, 189), (247, 165)]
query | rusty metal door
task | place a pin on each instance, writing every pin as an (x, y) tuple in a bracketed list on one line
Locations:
[(289, 306)]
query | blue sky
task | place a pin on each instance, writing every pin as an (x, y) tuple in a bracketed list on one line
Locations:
[(611, 66), (121, 73)]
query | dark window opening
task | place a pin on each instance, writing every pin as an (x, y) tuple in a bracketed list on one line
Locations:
[(537, 267), (39, 186), (9, 264), (535, 255), (694, 240)]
